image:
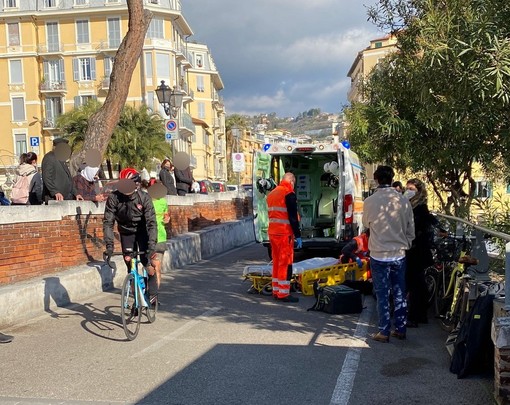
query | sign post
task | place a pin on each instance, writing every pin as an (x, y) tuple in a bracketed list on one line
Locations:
[(171, 130)]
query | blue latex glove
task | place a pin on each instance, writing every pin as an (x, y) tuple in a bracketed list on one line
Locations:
[(360, 263), (299, 243)]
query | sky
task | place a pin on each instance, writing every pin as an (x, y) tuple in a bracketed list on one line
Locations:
[(282, 56)]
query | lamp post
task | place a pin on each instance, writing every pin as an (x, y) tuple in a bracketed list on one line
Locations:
[(236, 133), (170, 99)]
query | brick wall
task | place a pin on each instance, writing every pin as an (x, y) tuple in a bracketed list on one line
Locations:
[(40, 240)]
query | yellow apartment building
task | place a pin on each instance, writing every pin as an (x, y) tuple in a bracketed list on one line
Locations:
[(57, 54), (209, 141)]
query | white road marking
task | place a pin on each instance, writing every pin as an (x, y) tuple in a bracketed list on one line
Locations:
[(345, 380), (176, 333)]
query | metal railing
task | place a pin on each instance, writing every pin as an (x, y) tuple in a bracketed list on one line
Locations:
[(483, 230)]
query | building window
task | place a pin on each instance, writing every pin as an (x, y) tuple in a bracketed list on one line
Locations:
[(148, 65), (201, 109), (82, 32), (53, 111), (53, 72), (18, 109), (114, 37), (20, 141), (84, 99), (84, 69), (156, 29), (81, 2), (15, 71), (206, 138), (200, 83), (108, 65), (50, 3), (199, 60), (483, 189), (13, 34), (163, 66), (11, 3), (52, 37), (150, 100), (378, 45)]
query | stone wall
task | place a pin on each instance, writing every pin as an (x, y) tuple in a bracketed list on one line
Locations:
[(39, 240)]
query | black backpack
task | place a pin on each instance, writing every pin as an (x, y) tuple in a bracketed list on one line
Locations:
[(337, 299)]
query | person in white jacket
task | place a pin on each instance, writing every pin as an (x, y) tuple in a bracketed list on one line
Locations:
[(389, 216)]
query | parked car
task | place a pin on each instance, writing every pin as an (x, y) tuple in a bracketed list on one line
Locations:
[(232, 187), (206, 186), (248, 189), (219, 186)]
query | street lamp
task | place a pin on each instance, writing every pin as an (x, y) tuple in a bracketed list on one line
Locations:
[(236, 133), (170, 99)]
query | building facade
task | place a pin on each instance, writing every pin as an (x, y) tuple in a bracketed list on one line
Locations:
[(56, 55)]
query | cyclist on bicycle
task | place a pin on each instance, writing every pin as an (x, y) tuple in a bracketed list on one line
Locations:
[(134, 213)]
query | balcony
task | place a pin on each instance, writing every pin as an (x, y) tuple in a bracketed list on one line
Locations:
[(220, 147), (49, 123), (50, 49), (186, 127), (218, 104), (106, 47), (53, 87)]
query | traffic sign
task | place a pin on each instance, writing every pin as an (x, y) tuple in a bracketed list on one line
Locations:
[(266, 147), (171, 130), (238, 164), (34, 141)]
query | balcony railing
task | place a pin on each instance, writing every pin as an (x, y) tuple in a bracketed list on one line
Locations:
[(49, 123), (105, 83), (50, 48), (186, 128), (53, 86)]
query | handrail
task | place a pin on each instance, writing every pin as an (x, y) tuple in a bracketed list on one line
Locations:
[(497, 234)]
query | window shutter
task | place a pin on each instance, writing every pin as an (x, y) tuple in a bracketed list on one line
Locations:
[(61, 70), (77, 101), (46, 70), (49, 112), (76, 69), (93, 68), (107, 66)]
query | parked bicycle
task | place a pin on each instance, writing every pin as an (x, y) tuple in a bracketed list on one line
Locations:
[(136, 297)]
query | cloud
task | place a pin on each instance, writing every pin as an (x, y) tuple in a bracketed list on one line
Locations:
[(284, 56)]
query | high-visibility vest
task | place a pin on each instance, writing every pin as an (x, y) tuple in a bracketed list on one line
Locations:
[(279, 223), (362, 243)]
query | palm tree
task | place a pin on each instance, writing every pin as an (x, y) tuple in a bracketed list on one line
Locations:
[(232, 121), (137, 140)]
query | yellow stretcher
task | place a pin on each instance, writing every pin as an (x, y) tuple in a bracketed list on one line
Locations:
[(303, 280)]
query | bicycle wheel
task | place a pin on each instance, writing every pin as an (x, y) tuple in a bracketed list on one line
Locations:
[(152, 309), (431, 283), (130, 314)]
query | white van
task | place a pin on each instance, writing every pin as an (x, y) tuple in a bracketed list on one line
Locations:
[(329, 187)]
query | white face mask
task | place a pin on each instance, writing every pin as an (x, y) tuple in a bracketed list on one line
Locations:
[(409, 194)]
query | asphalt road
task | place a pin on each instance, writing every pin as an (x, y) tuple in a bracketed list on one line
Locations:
[(213, 343)]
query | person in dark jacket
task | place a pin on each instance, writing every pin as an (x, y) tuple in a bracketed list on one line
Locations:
[(85, 184), (57, 179), (419, 256), (167, 177), (183, 180), (134, 213)]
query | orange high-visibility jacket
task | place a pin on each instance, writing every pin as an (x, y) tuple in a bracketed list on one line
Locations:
[(279, 223), (362, 242)]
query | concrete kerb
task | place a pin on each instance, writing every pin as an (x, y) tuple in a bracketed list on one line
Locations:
[(23, 301)]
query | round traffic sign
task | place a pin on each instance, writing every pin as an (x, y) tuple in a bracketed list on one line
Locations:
[(171, 125)]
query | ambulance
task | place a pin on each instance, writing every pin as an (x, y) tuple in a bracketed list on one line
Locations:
[(330, 185)]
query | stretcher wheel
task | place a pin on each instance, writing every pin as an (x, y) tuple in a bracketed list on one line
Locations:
[(267, 290)]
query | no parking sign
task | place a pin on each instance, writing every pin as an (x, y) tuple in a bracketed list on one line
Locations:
[(238, 164), (171, 130)]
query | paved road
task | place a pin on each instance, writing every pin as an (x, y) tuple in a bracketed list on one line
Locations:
[(215, 344)]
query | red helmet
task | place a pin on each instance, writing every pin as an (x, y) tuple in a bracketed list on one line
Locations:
[(130, 173)]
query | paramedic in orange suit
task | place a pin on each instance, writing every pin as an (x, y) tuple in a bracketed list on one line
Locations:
[(283, 228)]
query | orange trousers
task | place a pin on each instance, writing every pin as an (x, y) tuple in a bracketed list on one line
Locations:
[(282, 252)]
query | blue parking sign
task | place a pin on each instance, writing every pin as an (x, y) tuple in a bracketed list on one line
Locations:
[(34, 141)]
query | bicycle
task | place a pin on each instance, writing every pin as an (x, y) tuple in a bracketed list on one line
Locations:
[(135, 296)]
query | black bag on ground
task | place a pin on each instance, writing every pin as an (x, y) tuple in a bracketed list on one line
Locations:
[(365, 287), (473, 349), (337, 299)]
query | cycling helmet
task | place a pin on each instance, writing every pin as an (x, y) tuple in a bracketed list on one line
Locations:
[(130, 173)]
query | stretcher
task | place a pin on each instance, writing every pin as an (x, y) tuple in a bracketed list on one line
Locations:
[(325, 270)]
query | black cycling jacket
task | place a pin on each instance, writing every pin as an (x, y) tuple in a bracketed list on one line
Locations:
[(132, 212)]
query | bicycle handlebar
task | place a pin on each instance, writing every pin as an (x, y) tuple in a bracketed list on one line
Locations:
[(133, 254)]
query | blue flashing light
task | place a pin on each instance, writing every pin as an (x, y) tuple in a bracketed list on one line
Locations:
[(266, 147), (346, 144)]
